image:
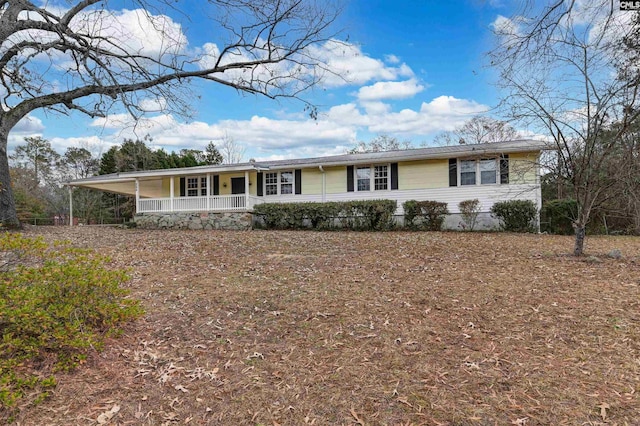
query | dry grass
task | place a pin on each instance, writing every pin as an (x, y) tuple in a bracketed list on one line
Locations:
[(293, 328)]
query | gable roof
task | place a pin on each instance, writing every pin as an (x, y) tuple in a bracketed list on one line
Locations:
[(472, 150)]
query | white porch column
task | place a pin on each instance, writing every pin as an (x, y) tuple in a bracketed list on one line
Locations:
[(70, 206), (171, 190), (209, 192), (246, 190), (137, 195)]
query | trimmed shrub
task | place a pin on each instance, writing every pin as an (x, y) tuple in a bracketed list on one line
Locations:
[(370, 215), (469, 210), (411, 213), (557, 216), (516, 215), (56, 304), (429, 215), (366, 215)]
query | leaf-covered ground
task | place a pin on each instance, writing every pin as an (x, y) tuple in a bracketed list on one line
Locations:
[(340, 328)]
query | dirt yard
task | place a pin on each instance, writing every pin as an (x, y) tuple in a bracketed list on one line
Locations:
[(339, 328)]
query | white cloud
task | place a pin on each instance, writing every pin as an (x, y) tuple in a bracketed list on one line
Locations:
[(262, 133), (442, 113), (268, 134), (375, 108), (506, 27), (305, 152), (390, 90), (348, 65), (153, 105), (134, 31), (392, 59), (28, 126), (299, 137), (94, 144), (347, 114), (339, 64)]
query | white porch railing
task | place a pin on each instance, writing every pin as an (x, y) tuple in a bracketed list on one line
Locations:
[(236, 202)]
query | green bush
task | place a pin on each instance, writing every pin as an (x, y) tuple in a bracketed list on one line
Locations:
[(429, 215), (411, 213), (469, 210), (56, 304), (516, 215), (373, 215), (557, 216)]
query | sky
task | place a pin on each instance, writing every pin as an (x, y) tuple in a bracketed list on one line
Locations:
[(411, 68)]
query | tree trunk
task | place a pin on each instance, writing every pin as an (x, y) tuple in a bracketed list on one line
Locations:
[(579, 244), (8, 214)]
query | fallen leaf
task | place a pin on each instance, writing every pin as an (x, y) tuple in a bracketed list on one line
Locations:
[(603, 410), (108, 415), (181, 388)]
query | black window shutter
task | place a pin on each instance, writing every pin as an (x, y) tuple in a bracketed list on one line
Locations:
[(216, 185), (298, 179), (259, 184), (453, 172), (394, 175), (349, 178), (504, 169), (183, 186)]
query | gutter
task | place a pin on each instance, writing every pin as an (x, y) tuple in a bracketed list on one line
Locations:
[(324, 184)]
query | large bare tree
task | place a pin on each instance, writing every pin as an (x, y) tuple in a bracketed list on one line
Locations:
[(89, 58), (478, 129), (232, 152), (558, 67)]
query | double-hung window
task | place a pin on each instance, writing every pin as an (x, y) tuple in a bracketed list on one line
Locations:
[(279, 183), (286, 182), (486, 169), (468, 172), (372, 177), (363, 175), (381, 178), (271, 183), (196, 186)]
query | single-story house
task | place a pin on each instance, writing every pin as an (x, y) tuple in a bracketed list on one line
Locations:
[(223, 196)]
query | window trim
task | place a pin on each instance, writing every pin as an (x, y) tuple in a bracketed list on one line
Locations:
[(372, 177), (496, 167), (267, 183), (279, 182), (478, 171), (199, 188), (475, 171)]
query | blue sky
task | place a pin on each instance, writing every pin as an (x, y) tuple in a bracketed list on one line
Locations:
[(414, 68)]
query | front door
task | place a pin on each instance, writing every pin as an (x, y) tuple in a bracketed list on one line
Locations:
[(237, 185)]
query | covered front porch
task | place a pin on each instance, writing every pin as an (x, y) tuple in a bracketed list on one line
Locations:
[(207, 189), (197, 193)]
